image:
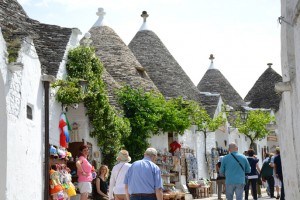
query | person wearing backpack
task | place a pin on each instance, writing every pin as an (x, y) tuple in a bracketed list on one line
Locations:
[(267, 174)]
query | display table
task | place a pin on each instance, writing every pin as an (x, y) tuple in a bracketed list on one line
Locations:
[(199, 192)]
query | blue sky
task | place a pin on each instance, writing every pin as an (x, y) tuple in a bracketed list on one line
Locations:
[(243, 35)]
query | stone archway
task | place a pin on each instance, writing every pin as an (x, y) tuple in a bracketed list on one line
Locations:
[(3, 140)]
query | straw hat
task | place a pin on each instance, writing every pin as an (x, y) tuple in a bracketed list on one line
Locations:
[(123, 156)]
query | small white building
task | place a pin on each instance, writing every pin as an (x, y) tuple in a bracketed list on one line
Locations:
[(288, 114)]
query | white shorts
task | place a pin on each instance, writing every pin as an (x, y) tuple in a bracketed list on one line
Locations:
[(85, 187), (277, 182)]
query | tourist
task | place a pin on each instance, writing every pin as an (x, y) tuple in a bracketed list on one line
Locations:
[(277, 182), (267, 174), (84, 173), (278, 172), (143, 179), (101, 186), (116, 183), (234, 166), (220, 178), (252, 177)]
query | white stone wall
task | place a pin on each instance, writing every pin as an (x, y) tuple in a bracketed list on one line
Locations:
[(24, 140), (159, 142), (3, 121), (288, 114)]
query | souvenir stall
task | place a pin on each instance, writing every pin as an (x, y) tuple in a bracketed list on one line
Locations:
[(60, 183), (62, 161), (212, 160)]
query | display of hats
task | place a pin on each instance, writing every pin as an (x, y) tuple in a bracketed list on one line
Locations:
[(69, 154), (53, 151), (61, 153)]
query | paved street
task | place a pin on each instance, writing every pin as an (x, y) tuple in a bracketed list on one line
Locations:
[(215, 196)]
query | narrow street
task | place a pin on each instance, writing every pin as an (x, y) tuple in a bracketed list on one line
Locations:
[(263, 192)]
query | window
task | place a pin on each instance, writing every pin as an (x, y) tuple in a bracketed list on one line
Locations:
[(29, 112), (141, 73)]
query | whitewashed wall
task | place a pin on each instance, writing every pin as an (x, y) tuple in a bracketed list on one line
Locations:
[(22, 139), (159, 142), (24, 136), (3, 117), (288, 114)]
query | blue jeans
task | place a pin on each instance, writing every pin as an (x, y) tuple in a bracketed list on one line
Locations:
[(238, 189)]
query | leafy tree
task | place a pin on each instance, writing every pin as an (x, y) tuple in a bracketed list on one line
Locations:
[(254, 126), (150, 114), (204, 122)]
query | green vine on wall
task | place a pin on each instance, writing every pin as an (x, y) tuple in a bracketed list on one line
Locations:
[(108, 126)]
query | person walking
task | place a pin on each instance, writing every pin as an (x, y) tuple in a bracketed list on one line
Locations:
[(267, 174), (234, 166), (116, 182), (220, 178), (277, 182), (278, 171), (143, 179), (84, 173), (253, 175)]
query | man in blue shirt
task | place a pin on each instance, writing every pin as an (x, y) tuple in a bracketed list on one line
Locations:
[(143, 179), (234, 166)]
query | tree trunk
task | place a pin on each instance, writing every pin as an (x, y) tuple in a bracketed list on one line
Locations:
[(251, 143), (205, 148)]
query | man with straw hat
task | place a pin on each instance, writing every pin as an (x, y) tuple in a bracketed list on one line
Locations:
[(116, 182)]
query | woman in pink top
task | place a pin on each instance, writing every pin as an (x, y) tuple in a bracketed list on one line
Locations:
[(84, 172)]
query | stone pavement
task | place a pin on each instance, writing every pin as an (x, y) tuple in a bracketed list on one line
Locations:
[(263, 193)]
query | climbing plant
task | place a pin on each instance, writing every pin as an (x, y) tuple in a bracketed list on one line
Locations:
[(108, 125)]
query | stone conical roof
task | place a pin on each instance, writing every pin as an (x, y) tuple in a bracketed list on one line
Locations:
[(262, 94), (117, 58), (161, 66), (213, 81), (210, 103), (50, 41), (111, 85)]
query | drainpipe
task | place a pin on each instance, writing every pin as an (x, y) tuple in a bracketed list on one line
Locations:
[(46, 79)]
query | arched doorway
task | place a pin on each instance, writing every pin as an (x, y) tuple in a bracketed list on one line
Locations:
[(3, 140)]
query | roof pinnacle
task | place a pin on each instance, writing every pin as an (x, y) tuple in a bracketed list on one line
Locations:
[(270, 65), (211, 58), (100, 13), (144, 15)]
